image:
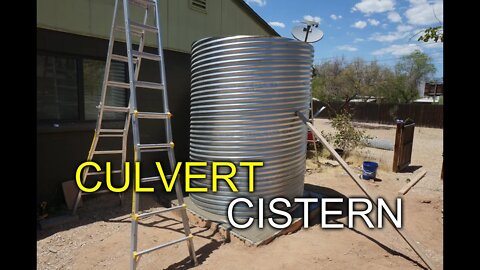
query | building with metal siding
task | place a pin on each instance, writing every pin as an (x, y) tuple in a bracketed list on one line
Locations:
[(72, 40)]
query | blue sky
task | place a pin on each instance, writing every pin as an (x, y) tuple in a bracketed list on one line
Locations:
[(382, 30)]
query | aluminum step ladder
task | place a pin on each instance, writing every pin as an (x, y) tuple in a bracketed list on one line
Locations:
[(134, 59)]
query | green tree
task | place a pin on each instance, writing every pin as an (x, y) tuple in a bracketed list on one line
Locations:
[(328, 82), (339, 81), (432, 33), (409, 72)]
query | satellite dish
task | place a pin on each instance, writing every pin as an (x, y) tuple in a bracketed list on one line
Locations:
[(308, 33)]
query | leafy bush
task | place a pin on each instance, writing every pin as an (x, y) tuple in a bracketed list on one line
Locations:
[(346, 136)]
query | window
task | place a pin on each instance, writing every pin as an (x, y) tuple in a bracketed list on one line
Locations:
[(57, 88), (199, 5), (69, 88), (93, 72)]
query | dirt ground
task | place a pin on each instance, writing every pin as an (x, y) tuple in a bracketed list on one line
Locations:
[(100, 239)]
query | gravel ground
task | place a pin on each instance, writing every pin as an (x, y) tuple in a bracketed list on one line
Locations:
[(427, 153)]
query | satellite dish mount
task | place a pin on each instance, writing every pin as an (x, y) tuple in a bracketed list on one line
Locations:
[(308, 29), (308, 33)]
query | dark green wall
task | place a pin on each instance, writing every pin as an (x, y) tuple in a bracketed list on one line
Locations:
[(61, 149)]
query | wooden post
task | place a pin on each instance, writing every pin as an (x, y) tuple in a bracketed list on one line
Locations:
[(398, 147)]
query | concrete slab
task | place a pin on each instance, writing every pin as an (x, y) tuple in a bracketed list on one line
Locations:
[(252, 236)]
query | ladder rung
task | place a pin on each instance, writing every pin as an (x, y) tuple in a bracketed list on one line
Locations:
[(116, 130), (145, 55), (150, 85), (116, 109), (100, 173), (140, 26), (162, 245), (153, 179), (118, 84), (110, 135), (100, 191), (144, 215), (142, 3), (120, 28), (153, 115), (107, 152), (122, 58), (153, 147)]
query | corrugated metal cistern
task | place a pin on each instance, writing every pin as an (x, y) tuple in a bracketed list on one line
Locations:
[(245, 91)]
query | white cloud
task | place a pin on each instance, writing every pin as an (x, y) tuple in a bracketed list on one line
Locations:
[(384, 26), (374, 6), (357, 40), (335, 17), (310, 18), (404, 28), (398, 50), (347, 48), (394, 17), (373, 22), (432, 45), (422, 12), (360, 24), (277, 24), (390, 37), (261, 3)]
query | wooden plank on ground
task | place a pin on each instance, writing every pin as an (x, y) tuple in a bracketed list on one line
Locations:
[(414, 181)]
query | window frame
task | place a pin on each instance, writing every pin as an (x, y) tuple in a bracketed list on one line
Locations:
[(80, 87)]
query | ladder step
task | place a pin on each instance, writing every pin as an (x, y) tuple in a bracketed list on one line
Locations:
[(153, 115), (116, 130), (100, 191), (100, 173), (120, 28), (110, 135), (153, 179), (116, 109), (162, 245), (145, 55), (121, 58), (107, 152), (143, 3), (118, 84), (140, 26), (148, 214), (150, 85), (154, 147)]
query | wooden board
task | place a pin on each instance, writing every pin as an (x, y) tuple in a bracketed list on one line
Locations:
[(413, 181), (402, 155), (70, 191)]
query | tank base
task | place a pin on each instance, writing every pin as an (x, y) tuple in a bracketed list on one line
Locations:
[(252, 236)]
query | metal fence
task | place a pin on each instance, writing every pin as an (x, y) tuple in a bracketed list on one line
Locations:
[(424, 115)]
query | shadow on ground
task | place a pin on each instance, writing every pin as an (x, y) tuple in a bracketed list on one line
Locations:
[(411, 169), (102, 207)]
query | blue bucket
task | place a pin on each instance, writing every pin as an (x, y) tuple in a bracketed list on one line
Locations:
[(369, 170)]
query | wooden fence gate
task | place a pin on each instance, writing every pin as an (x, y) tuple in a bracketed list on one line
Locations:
[(402, 154)]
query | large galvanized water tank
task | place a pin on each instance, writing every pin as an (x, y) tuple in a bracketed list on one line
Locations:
[(245, 91)]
